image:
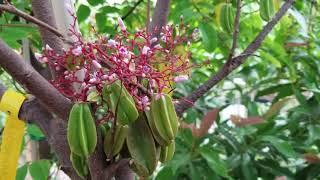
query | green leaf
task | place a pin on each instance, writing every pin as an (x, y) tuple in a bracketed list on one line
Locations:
[(164, 174), (101, 21), (12, 34), (272, 166), (83, 12), (209, 36), (268, 57), (95, 2), (109, 9), (247, 168), (214, 162), (39, 170), (178, 161), (282, 146), (287, 88), (34, 132), (22, 172)]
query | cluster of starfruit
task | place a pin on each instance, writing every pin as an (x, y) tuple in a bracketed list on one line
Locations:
[(148, 135)]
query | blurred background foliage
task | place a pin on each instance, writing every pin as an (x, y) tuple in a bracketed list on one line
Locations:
[(274, 97)]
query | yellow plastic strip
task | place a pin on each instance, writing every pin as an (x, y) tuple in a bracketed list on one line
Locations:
[(12, 136)]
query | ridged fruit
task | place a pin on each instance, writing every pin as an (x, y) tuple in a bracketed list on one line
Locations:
[(121, 101), (267, 9), (161, 141), (167, 152), (82, 134), (142, 147), (120, 137), (79, 164), (227, 15), (164, 116)]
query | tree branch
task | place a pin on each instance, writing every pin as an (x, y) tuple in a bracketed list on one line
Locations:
[(131, 10), (159, 18), (32, 81), (13, 10), (235, 30), (43, 11), (231, 65)]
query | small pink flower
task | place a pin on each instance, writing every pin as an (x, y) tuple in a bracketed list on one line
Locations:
[(105, 77), (126, 60), (121, 24), (145, 50), (158, 46), (145, 100), (93, 80), (153, 40), (48, 48), (96, 64), (164, 39), (80, 74), (123, 51), (77, 51), (180, 78), (146, 69), (112, 77), (42, 59), (112, 43), (132, 66)]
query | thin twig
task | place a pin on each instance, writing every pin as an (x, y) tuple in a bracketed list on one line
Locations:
[(231, 65), (13, 10), (131, 10), (17, 25), (114, 125), (235, 31)]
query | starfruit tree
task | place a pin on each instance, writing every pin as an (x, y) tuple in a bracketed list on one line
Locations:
[(105, 102)]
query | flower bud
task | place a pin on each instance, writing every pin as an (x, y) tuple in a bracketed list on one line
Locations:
[(77, 51), (180, 78), (145, 50), (153, 40), (96, 64), (48, 48), (80, 74), (121, 24), (112, 43)]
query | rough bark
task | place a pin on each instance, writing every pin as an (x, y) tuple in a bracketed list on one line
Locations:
[(43, 11), (33, 82), (159, 18)]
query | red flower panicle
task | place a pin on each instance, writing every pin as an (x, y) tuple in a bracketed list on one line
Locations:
[(144, 64)]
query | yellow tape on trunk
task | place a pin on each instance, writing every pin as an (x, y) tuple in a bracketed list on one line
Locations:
[(12, 136)]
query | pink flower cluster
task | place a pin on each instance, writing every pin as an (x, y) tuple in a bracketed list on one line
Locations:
[(144, 64)]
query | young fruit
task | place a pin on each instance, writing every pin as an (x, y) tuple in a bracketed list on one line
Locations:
[(121, 101), (267, 9), (167, 152), (81, 132), (164, 117), (120, 136), (227, 15), (79, 164), (142, 147)]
